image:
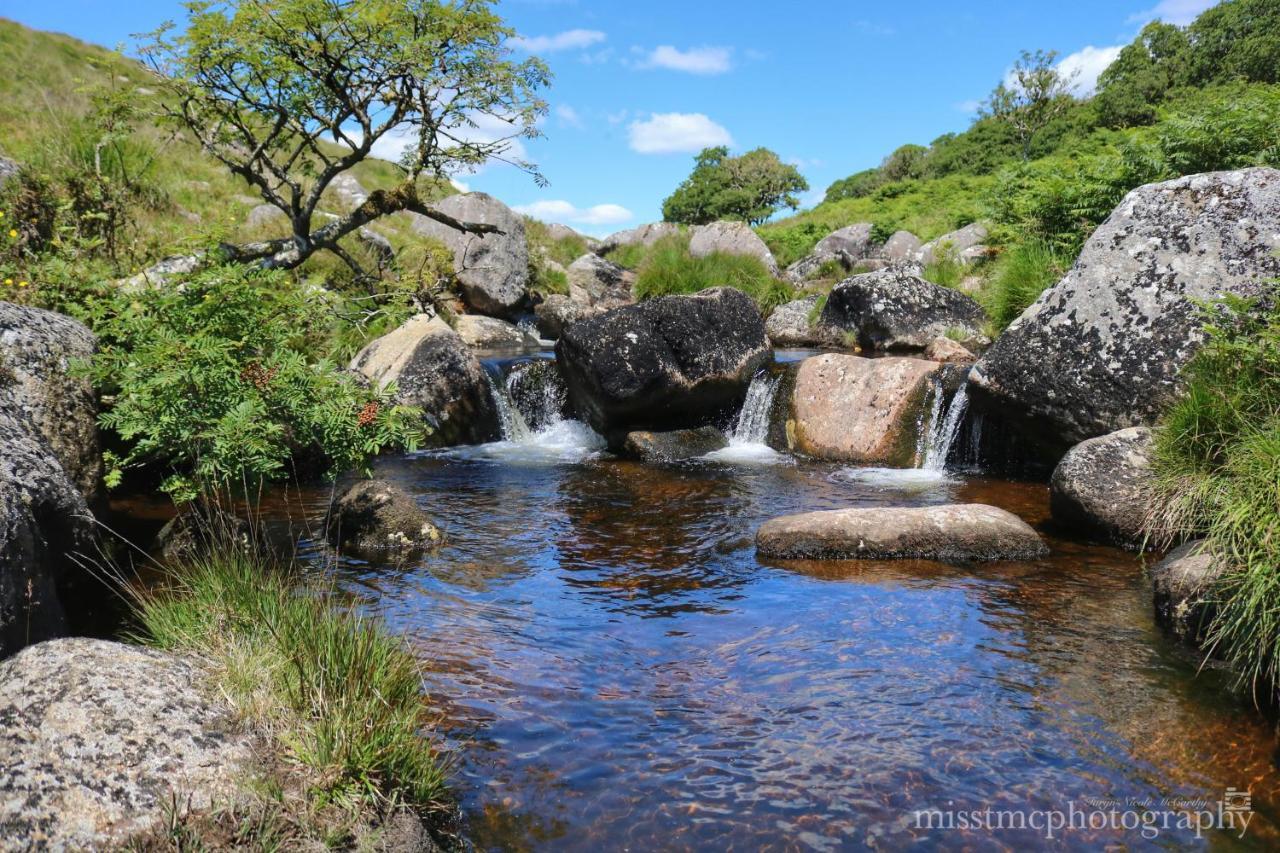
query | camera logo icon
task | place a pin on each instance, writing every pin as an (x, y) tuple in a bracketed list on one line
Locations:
[(1237, 801)]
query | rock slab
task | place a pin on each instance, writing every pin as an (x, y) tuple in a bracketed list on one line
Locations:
[(492, 269)]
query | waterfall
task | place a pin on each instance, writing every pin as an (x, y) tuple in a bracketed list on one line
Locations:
[(752, 426), (946, 419), (510, 421)]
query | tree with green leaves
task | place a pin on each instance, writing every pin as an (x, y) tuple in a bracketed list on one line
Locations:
[(291, 94), (1036, 93), (1142, 75), (750, 187)]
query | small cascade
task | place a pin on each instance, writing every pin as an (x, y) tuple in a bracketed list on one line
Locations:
[(510, 421), (752, 426), (945, 424)]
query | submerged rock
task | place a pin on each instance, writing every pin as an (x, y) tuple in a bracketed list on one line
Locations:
[(953, 532), (491, 333), (435, 370), (1101, 488), (102, 740), (862, 410), (1101, 350), (730, 238), (374, 515), (1184, 591), (895, 309), (668, 363), (674, 445)]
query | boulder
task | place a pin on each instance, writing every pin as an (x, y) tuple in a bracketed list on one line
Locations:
[(643, 235), (101, 740), (9, 169), (1101, 488), (811, 266), (789, 325), (902, 246), (374, 515), (1183, 583), (863, 410), (851, 241), (159, 274), (595, 281), (951, 532), (264, 217), (1101, 350), (948, 351), (538, 392), (434, 369), (378, 245), (896, 309), (955, 244), (730, 238), (492, 269), (556, 231), (672, 446), (347, 188), (39, 351), (555, 313), (199, 529), (667, 363), (491, 333)]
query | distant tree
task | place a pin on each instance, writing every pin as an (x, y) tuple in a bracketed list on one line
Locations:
[(857, 185), (751, 188), (1037, 94), (1146, 70), (905, 162), (290, 94), (1237, 39)]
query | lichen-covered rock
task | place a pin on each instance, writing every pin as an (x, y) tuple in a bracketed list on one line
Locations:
[(1101, 488), (895, 309), (267, 217), (863, 410), (538, 392), (491, 333), (954, 244), (730, 238), (1183, 583), (902, 246), (948, 351), (952, 532), (492, 269), (596, 282), (39, 351), (789, 325), (434, 369), (852, 241), (159, 274), (557, 312), (347, 188), (642, 235), (9, 169), (668, 363), (374, 515), (100, 740), (673, 445), (1101, 350)]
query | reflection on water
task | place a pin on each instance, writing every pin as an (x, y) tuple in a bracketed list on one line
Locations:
[(619, 670)]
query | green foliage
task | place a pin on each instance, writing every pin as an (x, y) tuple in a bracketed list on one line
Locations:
[(750, 187), (946, 268), (564, 250), (669, 269), (1140, 77), (857, 185), (628, 257), (906, 162), (1236, 40), (1038, 94), (1021, 275), (219, 382)]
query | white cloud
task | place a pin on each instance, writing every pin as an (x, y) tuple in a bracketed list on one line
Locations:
[(695, 60), (568, 115), (558, 210), (968, 107), (1086, 64), (1180, 12), (567, 40), (669, 133), (460, 186)]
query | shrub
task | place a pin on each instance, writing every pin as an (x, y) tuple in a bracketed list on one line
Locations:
[(670, 269), (946, 268), (1020, 276)]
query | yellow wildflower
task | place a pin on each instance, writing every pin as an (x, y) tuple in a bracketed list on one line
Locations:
[(13, 232), (22, 284), (8, 281)]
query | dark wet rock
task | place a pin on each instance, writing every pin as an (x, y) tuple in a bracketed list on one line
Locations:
[(955, 244), (492, 269), (1101, 350), (538, 392), (491, 333), (953, 532), (1184, 591), (101, 739), (948, 351), (374, 515), (1101, 488), (672, 446), (668, 363), (39, 354), (434, 370), (730, 238), (789, 325), (895, 309), (200, 529), (555, 313)]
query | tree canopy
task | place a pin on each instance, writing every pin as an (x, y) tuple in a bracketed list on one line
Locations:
[(750, 187), (290, 94), (1037, 93)]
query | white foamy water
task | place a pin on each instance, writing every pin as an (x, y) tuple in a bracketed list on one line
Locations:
[(747, 440), (897, 479), (563, 442)]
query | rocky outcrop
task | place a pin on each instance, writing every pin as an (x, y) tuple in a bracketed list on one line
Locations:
[(374, 515), (435, 370), (491, 333), (1101, 350), (538, 392), (159, 274), (672, 446), (557, 312), (101, 740), (902, 246), (859, 410), (956, 244), (950, 533), (668, 363), (730, 238), (789, 325), (492, 269), (852, 242), (1184, 591), (598, 283), (348, 190), (39, 351), (895, 309), (643, 235), (948, 351), (1101, 488)]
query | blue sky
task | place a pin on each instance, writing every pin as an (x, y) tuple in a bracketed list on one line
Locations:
[(639, 87)]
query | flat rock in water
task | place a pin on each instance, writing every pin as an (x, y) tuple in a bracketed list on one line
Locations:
[(491, 333), (674, 445), (953, 532), (1184, 596)]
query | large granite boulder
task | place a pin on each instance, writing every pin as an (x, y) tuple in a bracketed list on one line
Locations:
[(863, 410), (1184, 587), (434, 369), (951, 532), (596, 282), (557, 312), (793, 324), (492, 269), (668, 363), (895, 309), (902, 246), (377, 516), (958, 245), (483, 332), (101, 741), (641, 235), (1102, 488), (730, 238), (852, 241), (1101, 350), (39, 351)]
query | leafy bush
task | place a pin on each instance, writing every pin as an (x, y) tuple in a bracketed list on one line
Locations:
[(946, 268), (669, 269), (1020, 276), (219, 381), (628, 257), (750, 187)]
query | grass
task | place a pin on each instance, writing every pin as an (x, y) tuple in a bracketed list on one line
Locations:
[(339, 696), (1020, 276), (563, 250), (669, 269), (629, 257), (946, 268)]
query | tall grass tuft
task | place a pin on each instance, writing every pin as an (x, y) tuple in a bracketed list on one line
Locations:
[(669, 269), (1021, 275), (946, 268)]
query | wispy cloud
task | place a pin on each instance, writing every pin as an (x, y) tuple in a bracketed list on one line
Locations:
[(1086, 65), (567, 40), (670, 133), (1180, 12), (568, 115), (559, 210), (968, 107), (695, 60)]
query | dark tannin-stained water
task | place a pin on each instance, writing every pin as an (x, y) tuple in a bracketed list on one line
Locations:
[(616, 669)]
